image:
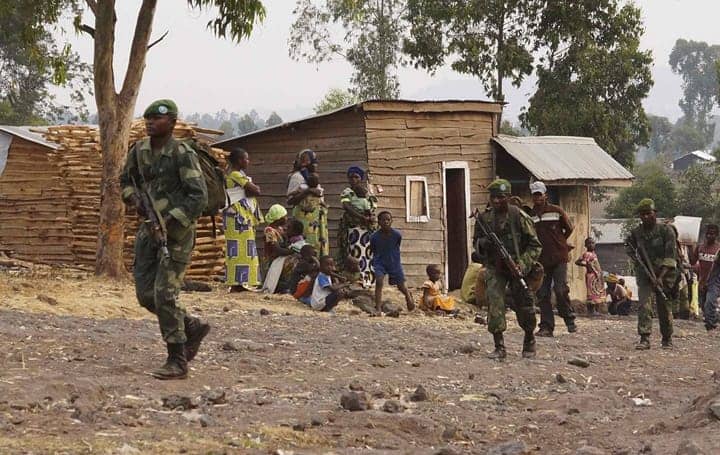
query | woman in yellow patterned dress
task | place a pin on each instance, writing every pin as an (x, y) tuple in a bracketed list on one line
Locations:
[(240, 220)]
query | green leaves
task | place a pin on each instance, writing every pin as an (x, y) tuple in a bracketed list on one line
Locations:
[(335, 99), (31, 60), (371, 44), (593, 78), (491, 39), (696, 62), (236, 18)]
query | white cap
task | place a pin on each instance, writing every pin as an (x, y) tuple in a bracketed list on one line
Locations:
[(538, 187)]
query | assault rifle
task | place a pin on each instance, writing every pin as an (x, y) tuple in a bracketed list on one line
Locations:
[(509, 262), (638, 254), (152, 216)]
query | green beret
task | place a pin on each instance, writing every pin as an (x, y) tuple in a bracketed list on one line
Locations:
[(161, 107), (645, 205), (499, 186)]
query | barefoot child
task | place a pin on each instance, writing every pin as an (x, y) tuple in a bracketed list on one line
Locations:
[(304, 274), (593, 277), (385, 244), (325, 294), (432, 299)]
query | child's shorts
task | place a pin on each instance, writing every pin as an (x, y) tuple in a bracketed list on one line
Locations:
[(396, 274)]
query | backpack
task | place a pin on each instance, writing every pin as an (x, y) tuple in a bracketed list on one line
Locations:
[(212, 174)]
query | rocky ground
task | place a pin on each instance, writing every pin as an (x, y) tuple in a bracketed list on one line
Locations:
[(75, 353)]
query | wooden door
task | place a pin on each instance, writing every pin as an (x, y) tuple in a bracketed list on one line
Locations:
[(457, 243)]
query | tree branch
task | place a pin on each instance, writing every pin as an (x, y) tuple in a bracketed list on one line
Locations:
[(92, 4), (138, 52), (104, 38), (158, 40), (87, 29)]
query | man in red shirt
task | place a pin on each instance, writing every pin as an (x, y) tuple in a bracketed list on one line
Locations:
[(703, 258), (553, 229)]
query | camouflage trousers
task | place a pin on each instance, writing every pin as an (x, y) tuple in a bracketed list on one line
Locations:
[(158, 280), (524, 302), (646, 296)]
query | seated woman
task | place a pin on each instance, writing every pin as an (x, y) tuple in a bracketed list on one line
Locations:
[(276, 268), (357, 223)]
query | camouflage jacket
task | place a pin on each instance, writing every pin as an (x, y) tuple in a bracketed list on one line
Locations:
[(173, 178), (527, 242), (659, 243)]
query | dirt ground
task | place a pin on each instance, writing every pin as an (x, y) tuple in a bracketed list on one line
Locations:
[(75, 353)]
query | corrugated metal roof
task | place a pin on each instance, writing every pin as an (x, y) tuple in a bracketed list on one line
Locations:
[(564, 158), (25, 133)]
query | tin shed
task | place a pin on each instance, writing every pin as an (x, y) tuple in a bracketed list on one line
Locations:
[(428, 162), (569, 166)]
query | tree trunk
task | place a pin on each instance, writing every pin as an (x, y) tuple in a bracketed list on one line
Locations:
[(114, 135), (115, 117)]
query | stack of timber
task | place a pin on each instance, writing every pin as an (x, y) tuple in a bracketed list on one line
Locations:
[(35, 223), (79, 163)]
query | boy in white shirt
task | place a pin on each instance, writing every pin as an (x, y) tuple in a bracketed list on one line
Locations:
[(326, 295)]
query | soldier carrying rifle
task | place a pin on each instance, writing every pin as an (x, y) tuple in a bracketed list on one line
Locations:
[(162, 179), (508, 246), (652, 247)]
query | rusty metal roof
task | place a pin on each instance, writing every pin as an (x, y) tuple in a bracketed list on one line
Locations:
[(565, 159)]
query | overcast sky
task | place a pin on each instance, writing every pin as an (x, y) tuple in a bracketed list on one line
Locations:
[(206, 74)]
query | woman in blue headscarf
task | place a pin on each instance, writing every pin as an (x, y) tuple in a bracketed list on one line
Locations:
[(307, 202), (357, 223)]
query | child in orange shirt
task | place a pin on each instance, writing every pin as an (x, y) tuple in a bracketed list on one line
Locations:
[(432, 298)]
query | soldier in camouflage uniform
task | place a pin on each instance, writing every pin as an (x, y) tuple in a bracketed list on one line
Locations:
[(170, 171), (658, 243), (516, 231)]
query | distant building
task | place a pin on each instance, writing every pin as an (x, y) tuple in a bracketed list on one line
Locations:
[(690, 159)]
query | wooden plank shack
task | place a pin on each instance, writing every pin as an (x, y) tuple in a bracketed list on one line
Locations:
[(35, 221), (428, 163)]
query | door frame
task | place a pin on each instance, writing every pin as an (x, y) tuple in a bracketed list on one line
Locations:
[(468, 228)]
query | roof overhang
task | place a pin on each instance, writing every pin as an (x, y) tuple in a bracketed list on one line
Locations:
[(565, 160), (28, 133)]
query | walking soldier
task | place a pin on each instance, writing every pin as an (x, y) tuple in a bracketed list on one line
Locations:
[(163, 181), (506, 242), (652, 247)]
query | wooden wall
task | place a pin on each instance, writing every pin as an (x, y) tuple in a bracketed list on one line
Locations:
[(575, 201), (338, 140), (402, 143), (34, 215)]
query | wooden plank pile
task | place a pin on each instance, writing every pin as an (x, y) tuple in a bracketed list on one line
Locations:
[(34, 221), (80, 162)]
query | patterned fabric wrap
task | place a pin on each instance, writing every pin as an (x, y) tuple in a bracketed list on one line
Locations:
[(358, 241)]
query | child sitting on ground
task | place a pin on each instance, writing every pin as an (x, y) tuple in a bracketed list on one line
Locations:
[(304, 274), (385, 244), (432, 298), (311, 202), (325, 294), (619, 298)]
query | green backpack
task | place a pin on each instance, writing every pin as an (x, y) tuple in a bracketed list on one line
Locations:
[(212, 174)]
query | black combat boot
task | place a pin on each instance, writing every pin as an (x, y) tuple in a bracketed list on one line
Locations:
[(667, 343), (195, 330), (644, 343), (499, 352), (570, 324), (528, 351), (176, 364)]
